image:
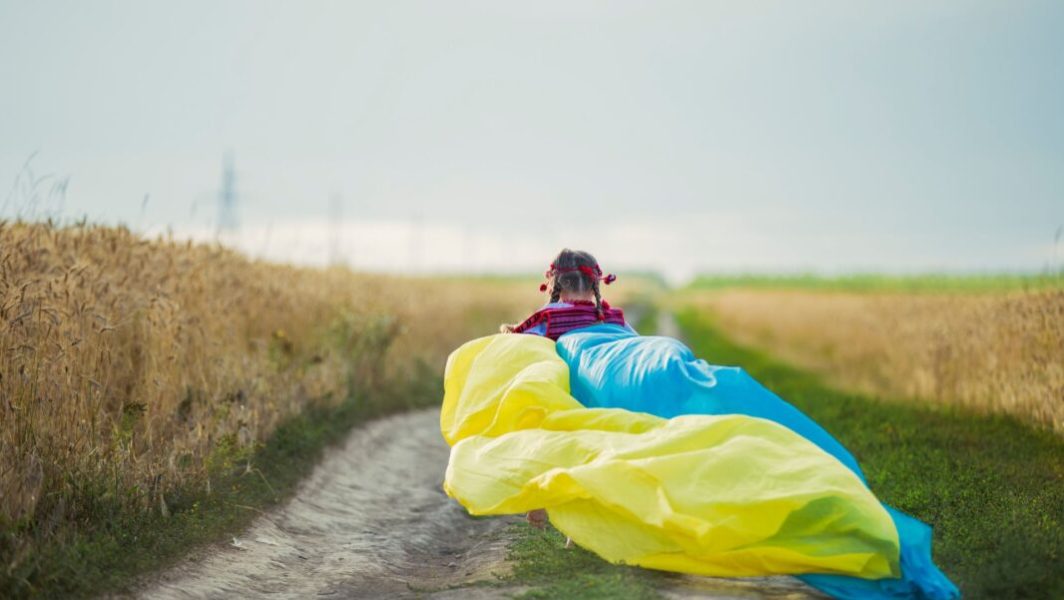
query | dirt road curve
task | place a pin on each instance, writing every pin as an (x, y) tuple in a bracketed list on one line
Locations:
[(371, 521)]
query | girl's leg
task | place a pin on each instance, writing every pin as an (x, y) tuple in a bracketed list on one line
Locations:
[(537, 518)]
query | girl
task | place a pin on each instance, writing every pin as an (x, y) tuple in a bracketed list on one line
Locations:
[(575, 299)]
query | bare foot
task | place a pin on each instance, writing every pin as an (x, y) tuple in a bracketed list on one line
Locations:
[(537, 518), (568, 543)]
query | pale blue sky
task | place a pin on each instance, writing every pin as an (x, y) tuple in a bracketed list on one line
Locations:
[(679, 135)]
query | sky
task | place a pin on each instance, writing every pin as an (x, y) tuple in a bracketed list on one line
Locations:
[(680, 137)]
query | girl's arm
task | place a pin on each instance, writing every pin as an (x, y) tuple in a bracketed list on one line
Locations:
[(534, 324)]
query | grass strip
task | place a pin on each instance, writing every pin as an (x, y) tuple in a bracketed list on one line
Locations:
[(542, 561), (872, 282), (992, 488), (108, 549)]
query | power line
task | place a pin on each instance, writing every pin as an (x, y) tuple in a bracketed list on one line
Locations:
[(336, 217)]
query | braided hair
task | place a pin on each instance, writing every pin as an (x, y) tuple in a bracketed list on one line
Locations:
[(577, 272)]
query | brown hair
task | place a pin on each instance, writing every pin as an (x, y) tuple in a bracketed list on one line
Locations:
[(575, 271)]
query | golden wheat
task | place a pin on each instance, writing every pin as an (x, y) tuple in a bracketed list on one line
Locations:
[(994, 352), (130, 361)]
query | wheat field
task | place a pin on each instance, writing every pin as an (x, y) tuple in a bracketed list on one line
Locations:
[(994, 352), (129, 366)]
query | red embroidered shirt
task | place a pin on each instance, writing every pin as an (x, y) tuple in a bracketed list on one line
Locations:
[(559, 320)]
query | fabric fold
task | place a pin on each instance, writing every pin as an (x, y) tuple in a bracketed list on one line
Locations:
[(723, 495)]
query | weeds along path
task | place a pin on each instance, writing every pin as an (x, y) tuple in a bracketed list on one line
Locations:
[(371, 521)]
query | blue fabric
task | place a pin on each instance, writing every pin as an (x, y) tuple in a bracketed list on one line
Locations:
[(613, 367)]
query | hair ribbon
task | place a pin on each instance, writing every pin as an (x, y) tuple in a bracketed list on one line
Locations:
[(592, 273)]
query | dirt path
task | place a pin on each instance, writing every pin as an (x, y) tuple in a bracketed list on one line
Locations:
[(370, 522)]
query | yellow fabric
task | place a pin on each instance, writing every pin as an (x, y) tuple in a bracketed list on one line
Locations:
[(712, 495)]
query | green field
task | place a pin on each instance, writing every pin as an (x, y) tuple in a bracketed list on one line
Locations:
[(930, 282)]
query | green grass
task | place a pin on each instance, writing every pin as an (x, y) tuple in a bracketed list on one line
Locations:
[(929, 282), (992, 488), (542, 561), (106, 549)]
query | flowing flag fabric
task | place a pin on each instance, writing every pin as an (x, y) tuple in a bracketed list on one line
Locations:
[(722, 495), (610, 367)]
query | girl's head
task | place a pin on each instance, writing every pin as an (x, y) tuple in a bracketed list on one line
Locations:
[(575, 275)]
